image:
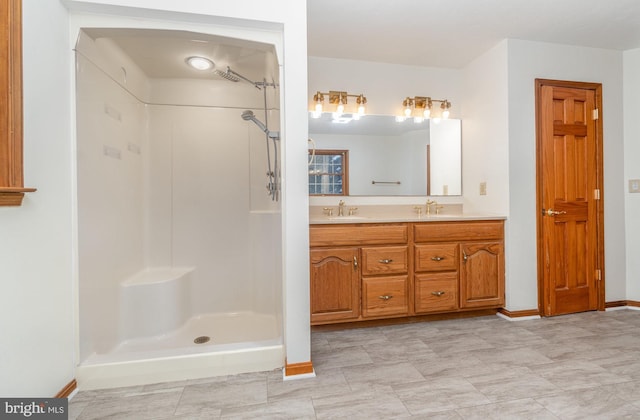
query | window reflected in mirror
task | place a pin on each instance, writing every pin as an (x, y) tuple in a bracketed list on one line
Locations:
[(328, 172), (391, 158)]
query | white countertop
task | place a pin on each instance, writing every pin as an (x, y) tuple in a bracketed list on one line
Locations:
[(397, 214)]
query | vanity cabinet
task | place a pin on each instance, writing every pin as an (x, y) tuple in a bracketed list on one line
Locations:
[(386, 270), (478, 263), (335, 285), (482, 274)]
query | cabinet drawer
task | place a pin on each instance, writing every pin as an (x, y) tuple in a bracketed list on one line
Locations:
[(369, 234), (436, 257), (436, 292), (458, 231), (384, 296), (384, 260)]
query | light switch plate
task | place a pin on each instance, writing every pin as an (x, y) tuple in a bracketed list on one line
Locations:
[(634, 185), (483, 188)]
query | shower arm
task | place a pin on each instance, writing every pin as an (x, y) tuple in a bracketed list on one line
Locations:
[(255, 84)]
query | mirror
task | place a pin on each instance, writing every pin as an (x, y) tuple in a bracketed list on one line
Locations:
[(390, 158)]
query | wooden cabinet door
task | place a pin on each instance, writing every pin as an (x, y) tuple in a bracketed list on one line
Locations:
[(335, 285), (482, 275)]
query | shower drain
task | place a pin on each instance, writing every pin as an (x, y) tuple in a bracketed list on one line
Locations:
[(202, 339)]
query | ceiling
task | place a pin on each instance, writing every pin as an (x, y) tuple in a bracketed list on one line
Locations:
[(162, 53), (452, 33), (430, 33)]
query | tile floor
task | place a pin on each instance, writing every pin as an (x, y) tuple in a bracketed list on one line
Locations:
[(582, 366)]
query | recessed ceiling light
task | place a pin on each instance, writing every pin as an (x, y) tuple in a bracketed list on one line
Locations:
[(200, 63)]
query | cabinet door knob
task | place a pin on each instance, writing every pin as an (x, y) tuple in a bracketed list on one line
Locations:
[(438, 293), (385, 297), (386, 261), (437, 258)]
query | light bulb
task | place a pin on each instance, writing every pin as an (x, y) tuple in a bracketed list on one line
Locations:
[(445, 114), (427, 113), (319, 107), (361, 109), (407, 111), (340, 108), (200, 63)]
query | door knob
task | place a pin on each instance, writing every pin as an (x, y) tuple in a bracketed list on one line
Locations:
[(552, 212)]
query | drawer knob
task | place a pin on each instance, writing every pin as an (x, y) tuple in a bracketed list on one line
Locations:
[(386, 261), (385, 297), (438, 293), (437, 258)]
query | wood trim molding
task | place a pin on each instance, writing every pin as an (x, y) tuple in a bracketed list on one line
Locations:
[(519, 314), (620, 303), (298, 368), (67, 390), (11, 156)]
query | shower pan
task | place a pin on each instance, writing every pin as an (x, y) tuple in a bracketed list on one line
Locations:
[(178, 273)]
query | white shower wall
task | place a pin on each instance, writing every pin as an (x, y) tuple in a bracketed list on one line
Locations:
[(171, 185), (200, 211)]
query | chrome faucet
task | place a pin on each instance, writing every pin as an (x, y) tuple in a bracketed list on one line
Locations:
[(341, 208)]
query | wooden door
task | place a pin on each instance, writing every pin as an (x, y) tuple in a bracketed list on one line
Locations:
[(335, 284), (569, 197), (482, 275)]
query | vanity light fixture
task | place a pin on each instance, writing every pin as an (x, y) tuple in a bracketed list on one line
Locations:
[(339, 99), (419, 108), (200, 63)]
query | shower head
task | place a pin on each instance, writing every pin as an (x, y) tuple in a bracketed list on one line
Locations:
[(248, 115), (227, 75)]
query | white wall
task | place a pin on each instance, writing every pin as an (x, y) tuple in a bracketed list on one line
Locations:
[(485, 137), (526, 62), (632, 169), (37, 346)]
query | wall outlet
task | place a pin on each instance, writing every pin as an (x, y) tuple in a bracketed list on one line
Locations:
[(634, 185), (483, 188)]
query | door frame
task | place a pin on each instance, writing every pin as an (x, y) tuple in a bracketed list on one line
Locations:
[(544, 289)]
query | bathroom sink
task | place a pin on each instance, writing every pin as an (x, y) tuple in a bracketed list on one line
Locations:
[(346, 217)]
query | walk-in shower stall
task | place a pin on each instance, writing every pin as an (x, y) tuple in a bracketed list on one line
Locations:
[(179, 222)]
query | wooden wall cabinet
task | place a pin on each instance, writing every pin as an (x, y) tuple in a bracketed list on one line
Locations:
[(374, 271)]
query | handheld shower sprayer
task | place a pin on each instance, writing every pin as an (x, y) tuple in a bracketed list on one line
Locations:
[(249, 116), (274, 174)]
